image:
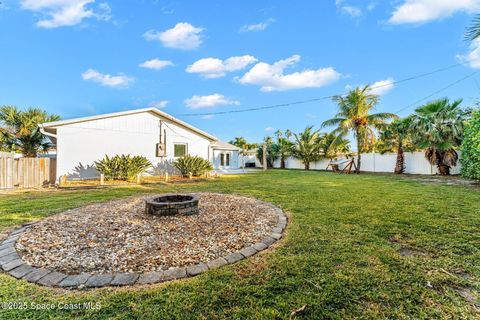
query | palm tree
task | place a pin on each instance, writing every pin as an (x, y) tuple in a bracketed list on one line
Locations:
[(238, 141), (272, 152), (242, 143), (285, 146), (20, 131), (473, 32), (308, 147), (395, 136), (334, 146), (438, 128), (354, 115)]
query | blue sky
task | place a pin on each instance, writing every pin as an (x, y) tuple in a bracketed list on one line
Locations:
[(84, 57)]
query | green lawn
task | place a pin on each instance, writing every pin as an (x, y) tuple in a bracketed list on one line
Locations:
[(341, 256)]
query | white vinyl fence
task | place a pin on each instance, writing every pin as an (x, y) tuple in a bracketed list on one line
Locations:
[(415, 163)]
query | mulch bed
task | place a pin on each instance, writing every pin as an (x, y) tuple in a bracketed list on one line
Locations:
[(118, 236)]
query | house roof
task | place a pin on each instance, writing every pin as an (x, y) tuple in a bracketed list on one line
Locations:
[(50, 127), (224, 146)]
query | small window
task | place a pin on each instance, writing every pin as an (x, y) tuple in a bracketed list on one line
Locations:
[(179, 150), (222, 159), (228, 159)]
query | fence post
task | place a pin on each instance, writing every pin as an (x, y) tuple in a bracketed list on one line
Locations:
[(166, 176), (139, 179), (190, 176), (102, 179)]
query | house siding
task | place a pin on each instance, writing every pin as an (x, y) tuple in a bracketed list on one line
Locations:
[(79, 145)]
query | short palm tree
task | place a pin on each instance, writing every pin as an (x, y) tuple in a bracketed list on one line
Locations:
[(334, 146), (285, 146), (438, 128), (20, 131), (354, 115), (395, 136), (308, 147)]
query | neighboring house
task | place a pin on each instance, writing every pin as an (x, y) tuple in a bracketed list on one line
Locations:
[(149, 132)]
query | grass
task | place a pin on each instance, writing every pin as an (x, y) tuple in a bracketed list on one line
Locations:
[(341, 256)]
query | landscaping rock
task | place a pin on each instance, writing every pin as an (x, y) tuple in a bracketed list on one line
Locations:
[(100, 280), (21, 271), (74, 280), (260, 246), (248, 251), (36, 274), (52, 279), (12, 264), (151, 277), (234, 257), (196, 269), (124, 279), (219, 262), (174, 273)]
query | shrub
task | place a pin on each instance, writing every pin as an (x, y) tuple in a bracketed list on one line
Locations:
[(122, 167), (194, 165), (470, 156)]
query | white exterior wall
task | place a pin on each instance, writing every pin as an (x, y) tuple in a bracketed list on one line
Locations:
[(80, 144), (234, 159), (415, 163)]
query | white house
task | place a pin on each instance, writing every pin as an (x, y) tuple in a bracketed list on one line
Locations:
[(149, 132)]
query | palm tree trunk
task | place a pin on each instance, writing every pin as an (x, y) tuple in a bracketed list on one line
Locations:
[(443, 169), (400, 164), (359, 153), (307, 165), (282, 162)]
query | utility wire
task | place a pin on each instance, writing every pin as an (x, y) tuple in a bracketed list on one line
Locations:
[(438, 91), (314, 99)]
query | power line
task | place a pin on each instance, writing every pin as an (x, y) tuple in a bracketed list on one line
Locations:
[(438, 91), (288, 104)]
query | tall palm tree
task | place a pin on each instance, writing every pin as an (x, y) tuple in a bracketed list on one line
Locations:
[(438, 128), (272, 152), (354, 115), (20, 130), (285, 146), (308, 147), (395, 136)]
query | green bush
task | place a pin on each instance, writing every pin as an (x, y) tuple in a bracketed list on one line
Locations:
[(470, 156), (194, 165), (122, 167)]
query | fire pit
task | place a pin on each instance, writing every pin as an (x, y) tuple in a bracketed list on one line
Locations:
[(172, 204)]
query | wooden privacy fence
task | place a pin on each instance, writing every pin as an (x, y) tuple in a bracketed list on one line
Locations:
[(26, 172)]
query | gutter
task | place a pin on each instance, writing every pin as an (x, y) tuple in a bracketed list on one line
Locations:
[(42, 130)]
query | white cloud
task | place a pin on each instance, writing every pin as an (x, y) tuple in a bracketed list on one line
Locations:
[(208, 116), (216, 68), (271, 77), (118, 81), (352, 11), (158, 104), (382, 87), (268, 129), (257, 26), (422, 11), (61, 13), (156, 64), (182, 36), (472, 59), (210, 101)]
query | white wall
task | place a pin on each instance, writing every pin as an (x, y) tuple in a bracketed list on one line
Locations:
[(415, 163), (80, 144)]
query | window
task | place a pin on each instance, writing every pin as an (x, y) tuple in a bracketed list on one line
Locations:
[(228, 159), (222, 159), (179, 150)]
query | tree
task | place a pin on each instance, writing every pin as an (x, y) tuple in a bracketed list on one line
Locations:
[(20, 131), (334, 146), (470, 157), (396, 136), (308, 147), (272, 152), (242, 143), (438, 128), (473, 32), (285, 146), (354, 115)]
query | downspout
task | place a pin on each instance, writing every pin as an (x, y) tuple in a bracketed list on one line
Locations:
[(42, 130)]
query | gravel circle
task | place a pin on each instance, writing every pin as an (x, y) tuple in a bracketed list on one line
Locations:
[(118, 236)]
